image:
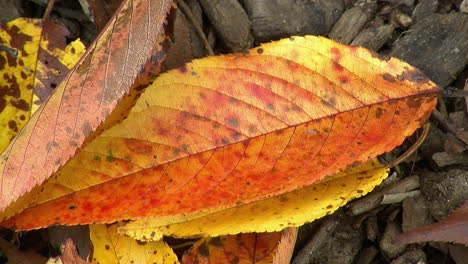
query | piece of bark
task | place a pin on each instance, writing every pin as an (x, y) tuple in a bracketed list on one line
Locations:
[(424, 9), (11, 9), (400, 19), (444, 191), (436, 45), (372, 228), (180, 51), (444, 159), (413, 256), (399, 197), (335, 242), (275, 19), (373, 38), (17, 256), (415, 213), (464, 6), (367, 255), (58, 235), (433, 143), (373, 199), (198, 49), (349, 25), (231, 23), (388, 248)]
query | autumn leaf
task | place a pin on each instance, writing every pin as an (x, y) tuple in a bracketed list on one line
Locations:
[(291, 209), (260, 248), (233, 129), (110, 247), (34, 60), (69, 255), (452, 229), (82, 102)]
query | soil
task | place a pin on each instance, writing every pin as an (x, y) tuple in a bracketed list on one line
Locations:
[(429, 34)]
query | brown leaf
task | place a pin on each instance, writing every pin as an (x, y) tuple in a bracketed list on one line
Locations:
[(452, 229), (260, 248), (70, 255)]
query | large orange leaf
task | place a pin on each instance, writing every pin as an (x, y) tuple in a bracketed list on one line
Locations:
[(82, 102), (229, 130)]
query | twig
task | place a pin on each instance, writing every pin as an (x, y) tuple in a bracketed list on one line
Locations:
[(50, 6), (188, 13), (398, 197), (374, 199), (313, 245), (413, 148)]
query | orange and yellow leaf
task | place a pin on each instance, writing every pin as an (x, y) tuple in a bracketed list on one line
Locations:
[(230, 130)]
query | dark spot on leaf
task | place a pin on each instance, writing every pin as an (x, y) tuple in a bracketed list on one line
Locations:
[(260, 51), (96, 157), (152, 235), (343, 79), (12, 125), (337, 67), (141, 243), (110, 156), (72, 207), (378, 112), (329, 206), (359, 191), (86, 128), (21, 104), (388, 77), (183, 69)]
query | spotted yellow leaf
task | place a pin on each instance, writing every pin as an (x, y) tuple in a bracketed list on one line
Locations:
[(112, 248), (34, 59)]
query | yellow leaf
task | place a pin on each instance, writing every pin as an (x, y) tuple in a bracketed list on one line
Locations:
[(34, 60), (273, 214), (112, 248)]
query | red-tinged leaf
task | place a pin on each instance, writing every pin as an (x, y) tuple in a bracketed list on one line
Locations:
[(452, 229), (83, 101), (70, 255), (260, 248), (229, 130)]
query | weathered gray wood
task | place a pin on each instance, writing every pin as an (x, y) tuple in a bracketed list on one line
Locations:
[(374, 37), (231, 23), (437, 45), (275, 19)]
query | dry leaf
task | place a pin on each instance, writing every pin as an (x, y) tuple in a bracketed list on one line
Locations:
[(229, 130)]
